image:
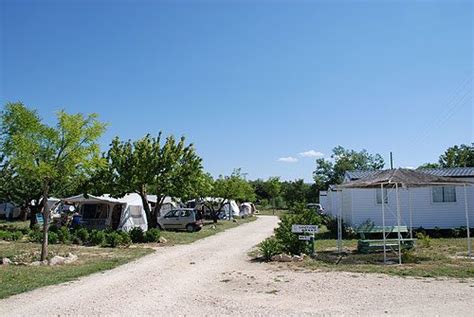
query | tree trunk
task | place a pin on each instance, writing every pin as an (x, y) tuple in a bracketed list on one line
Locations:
[(44, 246), (148, 211), (156, 211)]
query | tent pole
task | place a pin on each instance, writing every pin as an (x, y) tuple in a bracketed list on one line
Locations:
[(469, 242), (398, 226), (339, 226), (383, 227), (411, 213)]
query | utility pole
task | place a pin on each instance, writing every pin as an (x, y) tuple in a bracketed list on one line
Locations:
[(391, 161)]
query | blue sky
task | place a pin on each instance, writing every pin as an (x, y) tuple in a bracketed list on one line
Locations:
[(251, 82)]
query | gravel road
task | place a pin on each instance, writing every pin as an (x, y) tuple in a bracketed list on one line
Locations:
[(214, 276)]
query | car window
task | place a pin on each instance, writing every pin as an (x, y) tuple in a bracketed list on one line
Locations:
[(172, 213)]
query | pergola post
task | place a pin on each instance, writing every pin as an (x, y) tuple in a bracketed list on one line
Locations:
[(411, 212), (398, 225), (469, 242), (383, 226), (339, 225)]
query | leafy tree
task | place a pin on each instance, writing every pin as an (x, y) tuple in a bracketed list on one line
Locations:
[(458, 156), (328, 172), (428, 165), (295, 192), (226, 188), (273, 188), (50, 155), (21, 189), (153, 166)]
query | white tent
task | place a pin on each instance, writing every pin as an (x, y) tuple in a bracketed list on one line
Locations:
[(247, 209), (168, 204), (106, 212), (230, 208), (9, 210)]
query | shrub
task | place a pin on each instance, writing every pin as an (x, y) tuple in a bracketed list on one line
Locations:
[(126, 240), (52, 238), (35, 236), (83, 234), (76, 240), (16, 235), (64, 236), (137, 236), (152, 235), (289, 241), (269, 247), (97, 237), (424, 239), (5, 235), (112, 239)]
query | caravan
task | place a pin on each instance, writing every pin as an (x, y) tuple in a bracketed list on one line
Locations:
[(104, 211)]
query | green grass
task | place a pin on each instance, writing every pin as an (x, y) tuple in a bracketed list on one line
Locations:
[(437, 260), (264, 211), (12, 225), (16, 279), (209, 229)]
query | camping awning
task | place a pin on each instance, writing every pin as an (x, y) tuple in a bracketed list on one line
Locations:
[(404, 178)]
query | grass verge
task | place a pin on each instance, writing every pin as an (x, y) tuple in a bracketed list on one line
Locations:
[(16, 279), (209, 229), (440, 259)]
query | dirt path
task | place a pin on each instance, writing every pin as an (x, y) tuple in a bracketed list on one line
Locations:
[(214, 276)]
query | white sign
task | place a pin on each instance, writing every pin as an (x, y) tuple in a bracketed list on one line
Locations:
[(304, 228), (305, 238)]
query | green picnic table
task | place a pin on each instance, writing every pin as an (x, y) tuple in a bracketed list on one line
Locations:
[(367, 245)]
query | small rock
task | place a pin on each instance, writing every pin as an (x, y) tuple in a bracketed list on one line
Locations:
[(38, 263), (57, 260), (285, 258), (6, 261), (70, 258), (276, 258), (213, 227), (297, 258), (163, 240), (281, 258)]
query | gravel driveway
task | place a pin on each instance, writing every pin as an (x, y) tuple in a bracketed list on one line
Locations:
[(215, 276)]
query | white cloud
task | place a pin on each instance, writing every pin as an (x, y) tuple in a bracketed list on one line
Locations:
[(288, 159), (409, 167), (311, 153)]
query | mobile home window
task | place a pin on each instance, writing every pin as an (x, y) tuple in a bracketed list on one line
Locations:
[(378, 195), (444, 194)]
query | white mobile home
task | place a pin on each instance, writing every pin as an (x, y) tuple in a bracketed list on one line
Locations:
[(433, 206)]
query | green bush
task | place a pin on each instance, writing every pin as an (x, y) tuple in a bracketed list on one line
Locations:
[(35, 236), (423, 239), (5, 235), (64, 236), (76, 240), (152, 235), (137, 236), (17, 235), (289, 241), (269, 247), (126, 240), (97, 237), (112, 239), (52, 238), (82, 234)]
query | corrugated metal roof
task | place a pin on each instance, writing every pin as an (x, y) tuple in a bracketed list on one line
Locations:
[(450, 172), (443, 172)]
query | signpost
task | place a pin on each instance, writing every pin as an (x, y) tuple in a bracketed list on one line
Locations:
[(308, 232)]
